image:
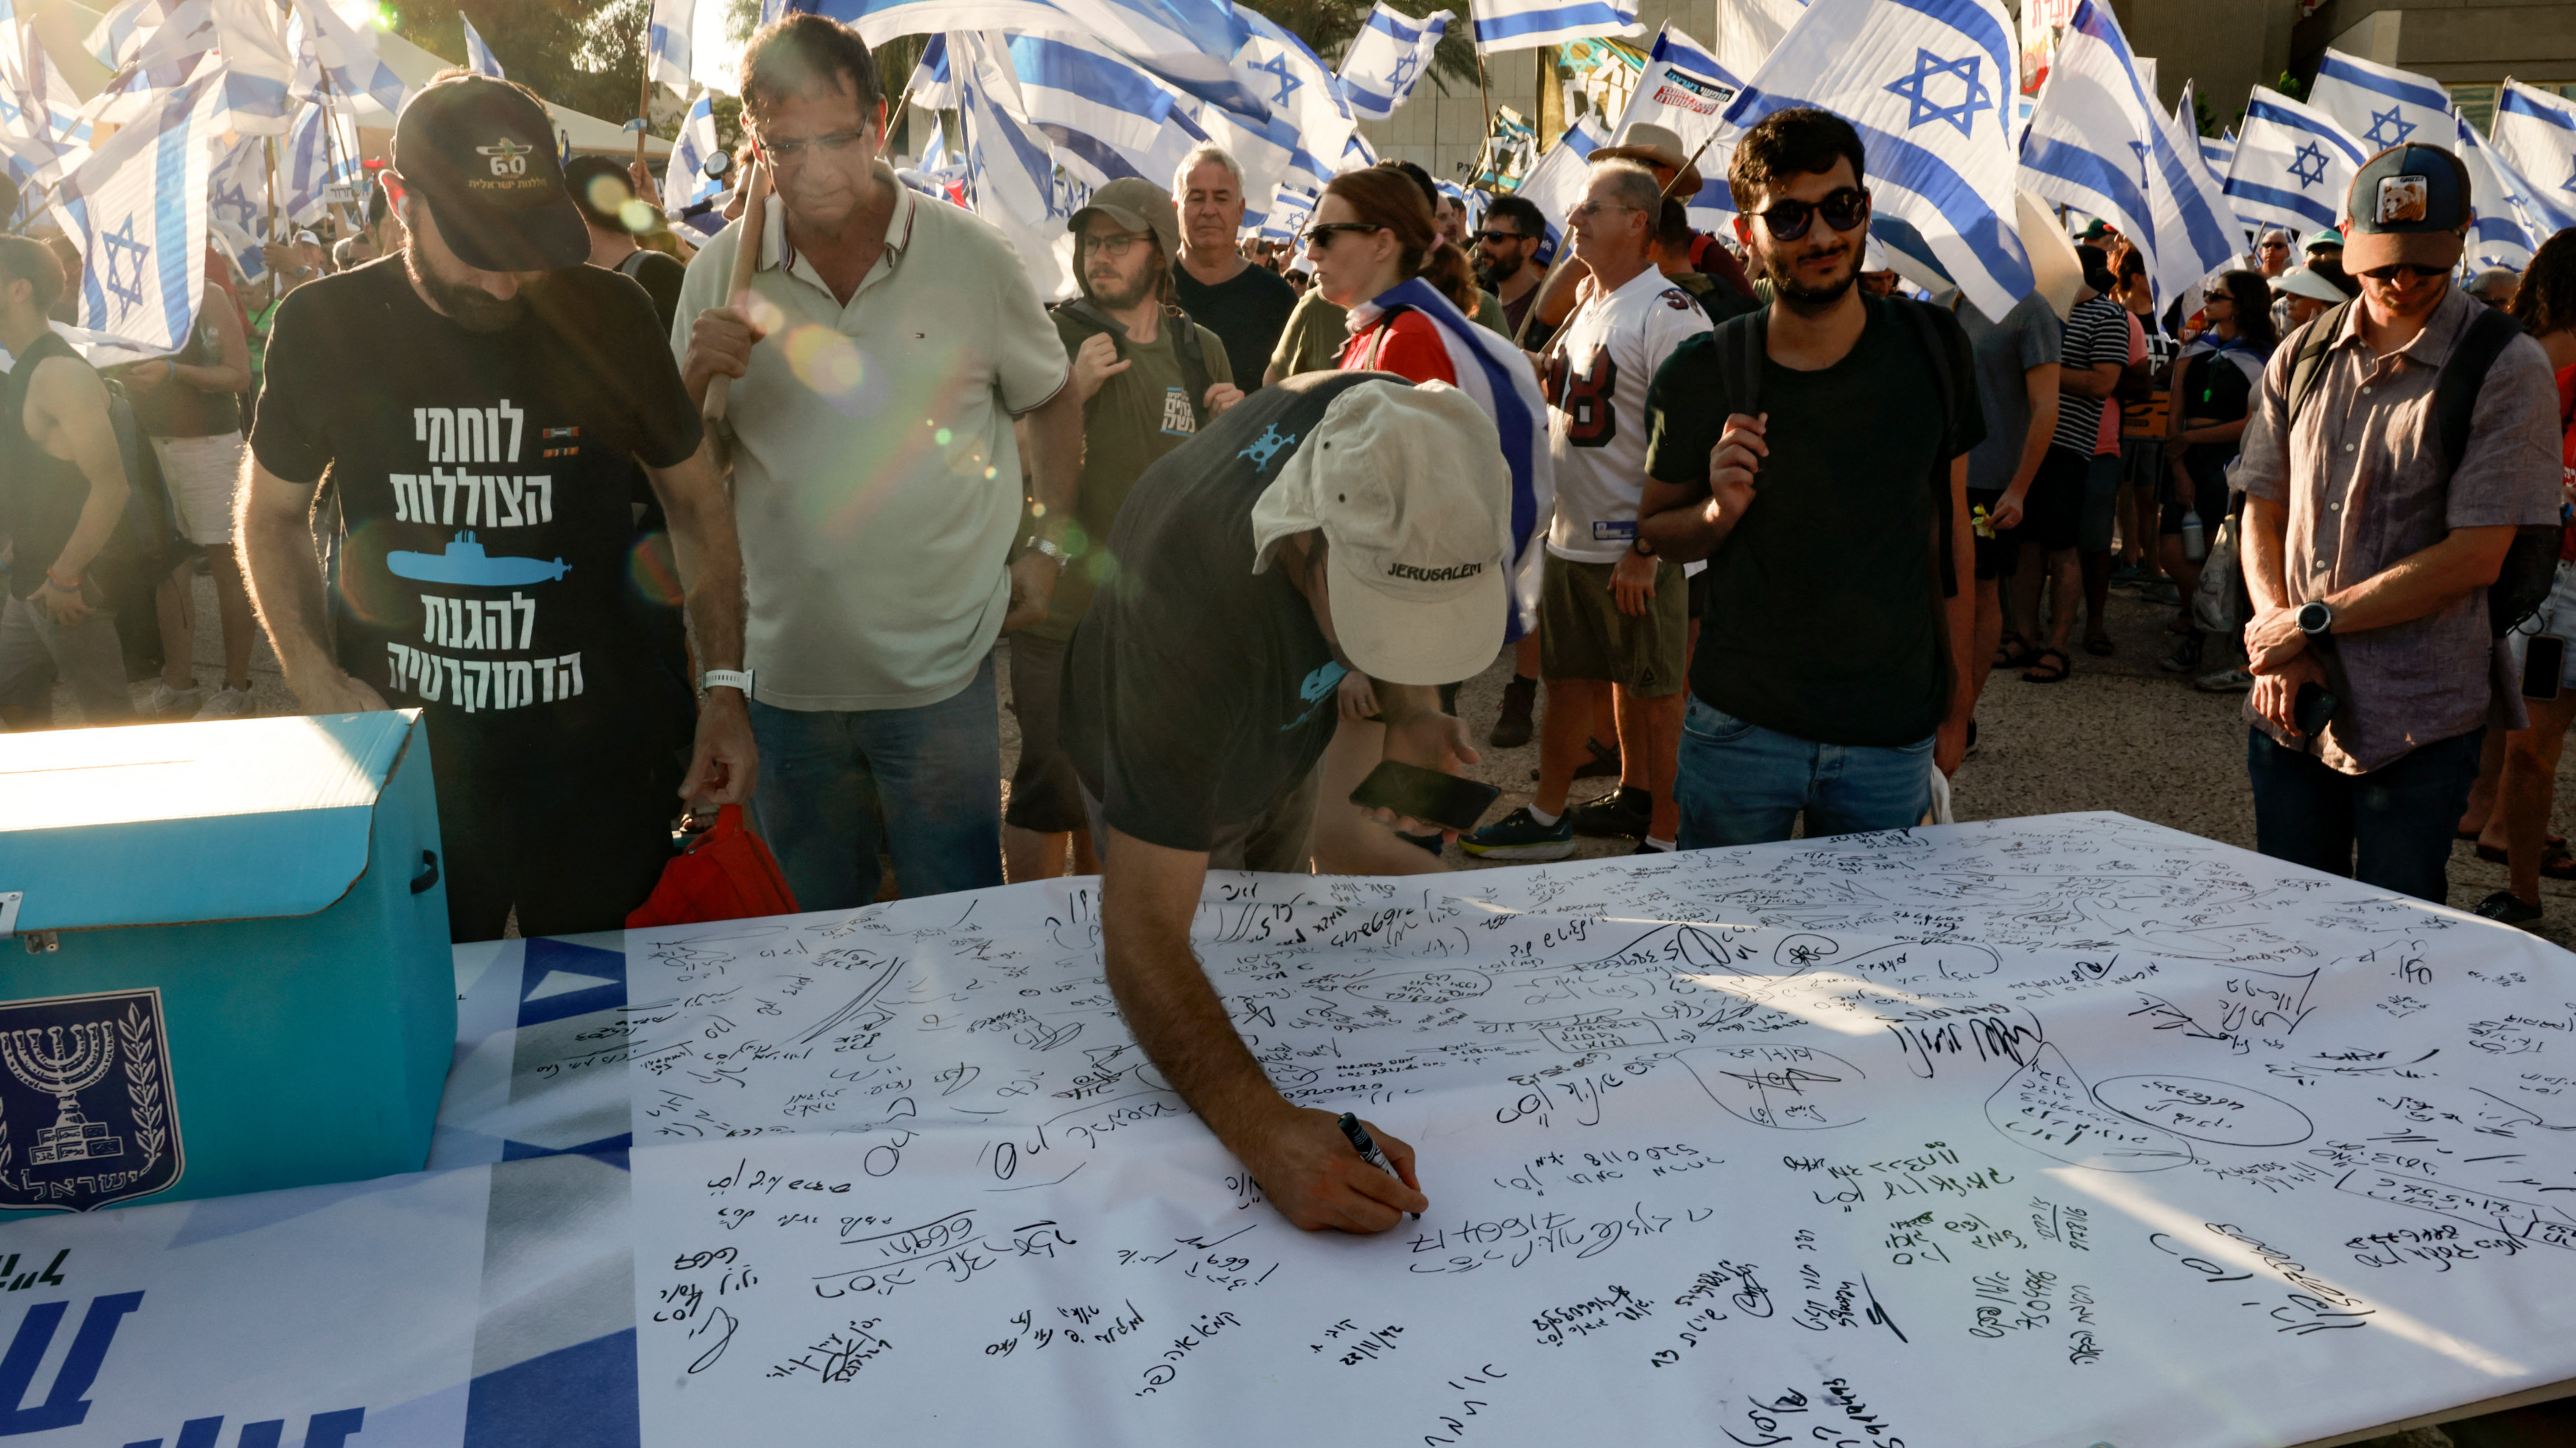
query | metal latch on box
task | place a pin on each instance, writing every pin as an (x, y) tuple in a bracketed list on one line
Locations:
[(38, 941)]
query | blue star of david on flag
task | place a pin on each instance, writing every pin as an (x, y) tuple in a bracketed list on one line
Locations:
[(1277, 69), (2381, 122), (1923, 107), (122, 275), (1404, 69), (2309, 165)]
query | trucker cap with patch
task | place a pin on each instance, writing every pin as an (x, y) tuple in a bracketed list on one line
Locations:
[(481, 152), (2408, 205)]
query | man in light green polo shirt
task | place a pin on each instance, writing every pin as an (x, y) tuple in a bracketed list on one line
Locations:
[(876, 481)]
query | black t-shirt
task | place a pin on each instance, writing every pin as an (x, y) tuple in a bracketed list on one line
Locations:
[(1196, 691), (1249, 312), (2210, 388), (660, 277), (1823, 619), (484, 481)]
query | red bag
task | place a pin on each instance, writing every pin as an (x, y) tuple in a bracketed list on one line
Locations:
[(726, 873)]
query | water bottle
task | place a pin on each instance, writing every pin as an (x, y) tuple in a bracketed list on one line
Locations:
[(2195, 541)]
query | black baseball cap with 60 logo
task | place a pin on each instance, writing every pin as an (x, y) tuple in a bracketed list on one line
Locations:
[(481, 152)]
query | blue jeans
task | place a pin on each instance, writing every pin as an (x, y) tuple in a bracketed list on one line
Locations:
[(1742, 784), (2397, 819), (935, 773)]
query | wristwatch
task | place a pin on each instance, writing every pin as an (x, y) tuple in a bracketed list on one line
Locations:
[(2316, 620), (1644, 548), (1050, 549), (726, 679)]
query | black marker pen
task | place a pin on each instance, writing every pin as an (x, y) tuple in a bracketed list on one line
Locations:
[(1366, 1146)]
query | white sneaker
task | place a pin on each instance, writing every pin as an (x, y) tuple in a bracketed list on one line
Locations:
[(169, 703), (228, 703)]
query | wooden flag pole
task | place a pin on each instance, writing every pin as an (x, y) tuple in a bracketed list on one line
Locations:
[(644, 98), (1487, 144), (746, 258)]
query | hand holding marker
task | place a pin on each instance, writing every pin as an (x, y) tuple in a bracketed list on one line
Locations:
[(1366, 1146)]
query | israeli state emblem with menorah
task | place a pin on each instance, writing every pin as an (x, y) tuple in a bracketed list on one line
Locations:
[(87, 1117)]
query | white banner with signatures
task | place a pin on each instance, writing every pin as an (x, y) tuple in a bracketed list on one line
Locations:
[(2050, 1131)]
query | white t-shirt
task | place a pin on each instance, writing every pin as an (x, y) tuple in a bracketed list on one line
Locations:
[(1598, 373)]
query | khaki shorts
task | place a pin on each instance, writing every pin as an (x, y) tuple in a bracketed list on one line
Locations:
[(1583, 635)]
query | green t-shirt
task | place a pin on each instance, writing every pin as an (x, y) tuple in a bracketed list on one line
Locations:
[(1823, 619), (1137, 416), (1489, 314), (1313, 339)]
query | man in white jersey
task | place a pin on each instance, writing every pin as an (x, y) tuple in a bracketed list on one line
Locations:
[(1614, 619)]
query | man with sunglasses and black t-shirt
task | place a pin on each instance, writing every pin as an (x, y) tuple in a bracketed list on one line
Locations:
[(1824, 680)]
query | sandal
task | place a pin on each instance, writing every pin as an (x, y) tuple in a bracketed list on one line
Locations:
[(2042, 671), (2099, 645), (2014, 652)]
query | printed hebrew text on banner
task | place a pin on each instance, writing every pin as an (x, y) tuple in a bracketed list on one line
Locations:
[(1929, 89)]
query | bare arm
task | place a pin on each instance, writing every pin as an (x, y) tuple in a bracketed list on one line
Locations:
[(2039, 384), (1054, 432), (285, 580), (1686, 522), (232, 374), (1959, 611), (67, 408), (723, 764), (1149, 895), (2096, 381)]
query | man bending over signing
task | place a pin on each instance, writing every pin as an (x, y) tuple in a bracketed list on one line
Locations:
[(1340, 521)]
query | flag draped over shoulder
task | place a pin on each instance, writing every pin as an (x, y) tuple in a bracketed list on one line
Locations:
[(1493, 372), (1929, 85)]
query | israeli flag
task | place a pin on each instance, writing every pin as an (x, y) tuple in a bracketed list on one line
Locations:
[(1686, 90), (2381, 105), (1557, 182), (1749, 30), (1107, 116), (123, 29), (237, 202), (1190, 43), (1528, 24), (1011, 167), (1297, 87), (2500, 234), (1359, 154), (1385, 59), (2293, 166), (2535, 133), (2098, 142), (685, 182), (930, 86), (1930, 90), (478, 56), (259, 68), (667, 48), (1290, 211), (320, 154), (137, 209), (347, 57)]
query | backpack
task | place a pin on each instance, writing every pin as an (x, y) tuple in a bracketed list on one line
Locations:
[(2531, 562), (1185, 346), (1741, 344)]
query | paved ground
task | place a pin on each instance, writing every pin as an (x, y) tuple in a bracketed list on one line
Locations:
[(2119, 735)]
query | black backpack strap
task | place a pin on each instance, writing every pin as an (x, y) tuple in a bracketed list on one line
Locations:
[(2308, 368), (2455, 395), (1193, 360)]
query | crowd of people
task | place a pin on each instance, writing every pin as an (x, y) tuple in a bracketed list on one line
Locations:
[(636, 536)]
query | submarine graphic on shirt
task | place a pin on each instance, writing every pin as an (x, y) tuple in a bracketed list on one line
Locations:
[(464, 562)]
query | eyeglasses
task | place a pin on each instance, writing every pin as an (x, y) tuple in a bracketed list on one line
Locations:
[(1842, 210), (1110, 246), (1497, 238), (782, 152), (2405, 273), (1595, 208), (1321, 233)]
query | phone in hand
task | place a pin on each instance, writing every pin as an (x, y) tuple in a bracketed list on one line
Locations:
[(2544, 662), (2314, 709), (1425, 794)]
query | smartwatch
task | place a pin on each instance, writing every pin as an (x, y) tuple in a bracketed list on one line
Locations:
[(726, 679), (2316, 620)]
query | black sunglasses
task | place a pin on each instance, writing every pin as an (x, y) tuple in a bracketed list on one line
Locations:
[(2408, 269), (1321, 233), (1842, 210), (1498, 237)]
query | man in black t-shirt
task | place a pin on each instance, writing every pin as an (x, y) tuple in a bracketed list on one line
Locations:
[(1246, 305), (479, 403), (1338, 521), (1823, 681), (604, 192)]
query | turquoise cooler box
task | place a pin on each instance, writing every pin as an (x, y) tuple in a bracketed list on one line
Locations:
[(224, 963)]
